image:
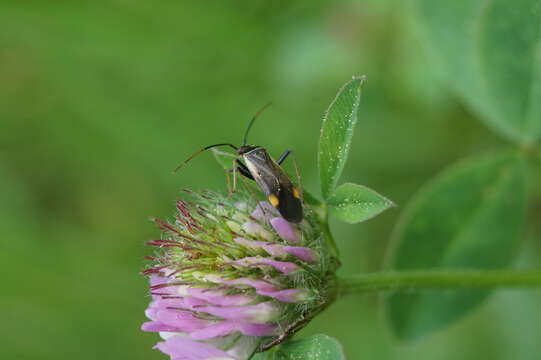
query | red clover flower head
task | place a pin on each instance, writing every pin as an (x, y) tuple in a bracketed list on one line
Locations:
[(232, 277)]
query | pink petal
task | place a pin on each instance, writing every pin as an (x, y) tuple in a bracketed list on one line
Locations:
[(222, 328), (255, 229), (161, 303), (166, 289), (264, 210), (279, 251), (183, 320), (156, 326), (284, 229), (151, 313), (303, 253), (184, 348), (250, 244), (193, 303), (182, 303), (239, 282), (275, 250), (285, 267), (250, 329), (157, 280), (215, 297), (261, 313)]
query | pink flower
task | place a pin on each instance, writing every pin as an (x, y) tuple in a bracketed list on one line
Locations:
[(231, 278)]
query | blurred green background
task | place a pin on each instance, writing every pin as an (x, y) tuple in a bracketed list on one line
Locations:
[(100, 100)]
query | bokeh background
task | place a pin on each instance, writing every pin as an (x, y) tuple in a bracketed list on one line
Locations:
[(99, 100)]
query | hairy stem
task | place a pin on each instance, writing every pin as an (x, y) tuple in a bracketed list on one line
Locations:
[(330, 239), (323, 217), (437, 279)]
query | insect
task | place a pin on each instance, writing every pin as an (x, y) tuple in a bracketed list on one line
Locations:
[(259, 166)]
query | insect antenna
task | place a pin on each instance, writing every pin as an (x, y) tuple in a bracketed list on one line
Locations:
[(245, 140), (181, 165)]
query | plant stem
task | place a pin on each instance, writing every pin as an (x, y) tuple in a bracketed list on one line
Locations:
[(323, 217), (437, 279), (330, 239)]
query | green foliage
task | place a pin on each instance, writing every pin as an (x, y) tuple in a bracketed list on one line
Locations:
[(349, 202), (336, 133), (488, 51), (354, 203), (316, 347), (469, 217)]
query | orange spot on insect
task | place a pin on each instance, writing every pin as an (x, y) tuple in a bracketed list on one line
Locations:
[(274, 200), (296, 193)]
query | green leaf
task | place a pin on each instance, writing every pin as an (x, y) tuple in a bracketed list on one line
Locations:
[(469, 217), (336, 133), (316, 347), (354, 203), (489, 52)]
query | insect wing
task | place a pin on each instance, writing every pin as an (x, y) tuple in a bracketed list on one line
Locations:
[(289, 205), (275, 184)]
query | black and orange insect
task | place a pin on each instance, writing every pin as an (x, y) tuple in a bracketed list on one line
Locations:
[(255, 163)]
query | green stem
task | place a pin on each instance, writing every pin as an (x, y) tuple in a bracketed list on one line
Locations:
[(437, 279), (329, 238), (323, 217)]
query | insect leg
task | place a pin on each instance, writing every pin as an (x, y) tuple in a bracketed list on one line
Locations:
[(228, 181), (244, 170), (299, 186), (250, 190), (234, 176), (284, 156)]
